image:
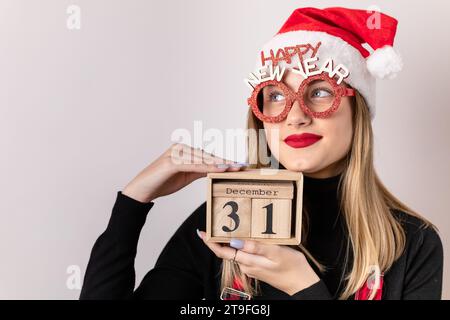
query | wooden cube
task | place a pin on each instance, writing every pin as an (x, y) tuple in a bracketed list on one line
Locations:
[(271, 218), (232, 217), (259, 204)]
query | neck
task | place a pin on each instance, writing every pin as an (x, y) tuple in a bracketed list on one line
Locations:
[(321, 198), (332, 170)]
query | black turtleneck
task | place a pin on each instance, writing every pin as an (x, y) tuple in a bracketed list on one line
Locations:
[(188, 269), (325, 233)]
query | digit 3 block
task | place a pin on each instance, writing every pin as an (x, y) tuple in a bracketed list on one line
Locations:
[(259, 204), (227, 220)]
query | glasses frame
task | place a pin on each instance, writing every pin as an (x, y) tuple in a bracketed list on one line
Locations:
[(292, 96)]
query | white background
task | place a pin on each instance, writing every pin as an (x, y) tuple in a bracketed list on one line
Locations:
[(82, 111)]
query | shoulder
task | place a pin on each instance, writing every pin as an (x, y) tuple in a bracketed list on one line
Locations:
[(418, 272), (420, 237)]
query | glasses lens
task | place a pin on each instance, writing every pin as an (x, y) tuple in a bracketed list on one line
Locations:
[(318, 95), (271, 100)]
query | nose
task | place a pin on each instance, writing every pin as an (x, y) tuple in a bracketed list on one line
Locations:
[(296, 116)]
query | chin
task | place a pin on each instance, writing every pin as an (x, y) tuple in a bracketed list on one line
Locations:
[(298, 165)]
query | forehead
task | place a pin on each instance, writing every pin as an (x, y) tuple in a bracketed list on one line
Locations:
[(292, 80)]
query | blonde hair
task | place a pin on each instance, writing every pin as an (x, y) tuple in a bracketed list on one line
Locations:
[(376, 236)]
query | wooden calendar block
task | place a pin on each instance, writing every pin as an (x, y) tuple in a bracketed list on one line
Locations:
[(231, 217), (271, 218), (260, 204), (253, 189)]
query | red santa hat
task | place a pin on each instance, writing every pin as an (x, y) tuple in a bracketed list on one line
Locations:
[(344, 33)]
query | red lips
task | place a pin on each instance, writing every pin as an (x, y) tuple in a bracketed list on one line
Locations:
[(302, 140)]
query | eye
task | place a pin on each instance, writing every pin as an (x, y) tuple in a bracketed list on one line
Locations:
[(321, 93), (276, 96)]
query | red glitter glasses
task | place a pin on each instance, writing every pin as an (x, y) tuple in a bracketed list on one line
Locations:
[(319, 96)]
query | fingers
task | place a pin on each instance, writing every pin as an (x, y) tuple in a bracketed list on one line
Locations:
[(228, 253), (261, 249), (203, 168), (189, 154), (221, 251), (208, 158), (189, 159)]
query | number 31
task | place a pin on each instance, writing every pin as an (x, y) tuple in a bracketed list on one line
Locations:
[(235, 217)]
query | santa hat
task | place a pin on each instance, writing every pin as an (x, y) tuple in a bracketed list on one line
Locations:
[(343, 33)]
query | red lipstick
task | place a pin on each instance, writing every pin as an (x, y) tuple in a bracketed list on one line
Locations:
[(302, 140)]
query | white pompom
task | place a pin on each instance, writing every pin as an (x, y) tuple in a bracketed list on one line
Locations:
[(385, 62)]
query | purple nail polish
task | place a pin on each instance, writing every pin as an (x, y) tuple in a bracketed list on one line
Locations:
[(236, 243), (238, 165)]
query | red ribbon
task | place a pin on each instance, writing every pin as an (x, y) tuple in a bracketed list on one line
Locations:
[(361, 294), (364, 292)]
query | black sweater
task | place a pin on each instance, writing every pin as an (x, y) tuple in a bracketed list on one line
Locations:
[(188, 269)]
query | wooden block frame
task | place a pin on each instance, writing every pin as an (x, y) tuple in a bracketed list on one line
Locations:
[(254, 175)]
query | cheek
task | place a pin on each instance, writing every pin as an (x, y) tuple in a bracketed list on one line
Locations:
[(338, 141)]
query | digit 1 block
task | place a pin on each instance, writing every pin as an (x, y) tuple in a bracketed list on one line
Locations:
[(231, 217), (271, 218)]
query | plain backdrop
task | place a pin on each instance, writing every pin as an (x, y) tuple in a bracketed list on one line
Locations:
[(83, 111)]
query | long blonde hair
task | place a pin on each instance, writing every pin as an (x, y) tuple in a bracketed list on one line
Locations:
[(376, 236)]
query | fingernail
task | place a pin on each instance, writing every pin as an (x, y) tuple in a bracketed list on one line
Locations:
[(239, 165), (199, 234), (222, 166), (236, 243)]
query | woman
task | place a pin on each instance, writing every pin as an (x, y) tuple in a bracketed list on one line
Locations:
[(359, 241)]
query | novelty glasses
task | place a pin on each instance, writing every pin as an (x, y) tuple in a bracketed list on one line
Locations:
[(319, 96)]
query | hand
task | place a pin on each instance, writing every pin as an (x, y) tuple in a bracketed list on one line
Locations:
[(174, 169), (281, 267)]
